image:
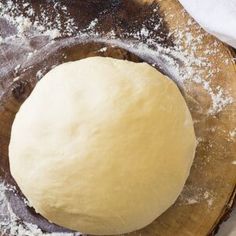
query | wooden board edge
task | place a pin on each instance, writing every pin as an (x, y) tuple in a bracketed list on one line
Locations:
[(231, 205), (225, 214)]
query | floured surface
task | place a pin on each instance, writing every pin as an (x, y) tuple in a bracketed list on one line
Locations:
[(202, 67), (27, 26), (9, 222)]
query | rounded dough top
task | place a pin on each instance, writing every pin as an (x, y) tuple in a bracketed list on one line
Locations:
[(102, 146)]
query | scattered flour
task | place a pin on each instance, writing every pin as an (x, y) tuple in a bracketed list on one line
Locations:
[(92, 24), (37, 24), (180, 63), (144, 32), (219, 100), (17, 68), (39, 74), (53, 33), (232, 134), (16, 78), (103, 49), (9, 223), (30, 54), (192, 201), (195, 195), (23, 24)]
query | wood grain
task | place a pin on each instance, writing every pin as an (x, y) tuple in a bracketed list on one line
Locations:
[(212, 172)]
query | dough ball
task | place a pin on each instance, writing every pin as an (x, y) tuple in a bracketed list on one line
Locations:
[(102, 146)]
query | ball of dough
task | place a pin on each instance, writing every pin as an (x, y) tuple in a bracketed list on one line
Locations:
[(102, 146)]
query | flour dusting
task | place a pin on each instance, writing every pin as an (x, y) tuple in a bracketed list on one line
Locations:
[(43, 24), (195, 195), (9, 222), (232, 134), (179, 62)]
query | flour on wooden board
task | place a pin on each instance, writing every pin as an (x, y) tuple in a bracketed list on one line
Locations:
[(9, 223), (51, 29)]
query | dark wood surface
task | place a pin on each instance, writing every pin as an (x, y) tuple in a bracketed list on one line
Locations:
[(212, 170)]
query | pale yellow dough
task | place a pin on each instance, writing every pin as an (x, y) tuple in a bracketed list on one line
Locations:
[(102, 146)]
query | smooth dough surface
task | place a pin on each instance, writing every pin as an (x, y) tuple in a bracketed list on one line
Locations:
[(102, 146)]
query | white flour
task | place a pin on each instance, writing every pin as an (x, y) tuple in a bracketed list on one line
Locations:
[(232, 134), (179, 62), (43, 25), (9, 223)]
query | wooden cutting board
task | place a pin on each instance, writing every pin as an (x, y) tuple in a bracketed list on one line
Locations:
[(164, 35)]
